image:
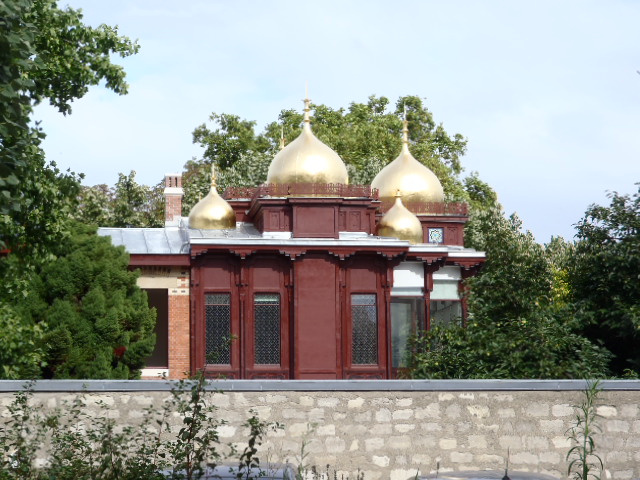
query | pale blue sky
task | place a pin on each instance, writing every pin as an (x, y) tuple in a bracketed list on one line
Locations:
[(546, 92)]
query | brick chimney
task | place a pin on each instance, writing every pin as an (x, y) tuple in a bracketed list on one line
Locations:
[(173, 194)]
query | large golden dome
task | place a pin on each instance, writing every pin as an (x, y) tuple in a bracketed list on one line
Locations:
[(212, 212), (400, 223), (417, 183), (307, 160)]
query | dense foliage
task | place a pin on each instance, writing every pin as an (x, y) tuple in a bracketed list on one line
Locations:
[(46, 53), (98, 322), (604, 279), (127, 204), (177, 440), (518, 326)]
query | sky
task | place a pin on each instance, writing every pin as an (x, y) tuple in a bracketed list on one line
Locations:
[(546, 92)]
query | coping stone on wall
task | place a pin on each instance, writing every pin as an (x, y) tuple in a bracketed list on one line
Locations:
[(318, 385)]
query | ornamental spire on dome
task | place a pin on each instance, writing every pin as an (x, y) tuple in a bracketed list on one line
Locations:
[(419, 185), (400, 223), (212, 212), (307, 160)]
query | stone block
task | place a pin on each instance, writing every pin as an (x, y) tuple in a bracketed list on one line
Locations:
[(536, 443), (551, 457), (563, 410), (374, 443), (622, 474), (328, 402), (616, 426), (478, 411), (399, 442), (503, 397), (477, 441), (355, 445), (561, 442), (461, 457), (616, 457), (292, 413), (383, 415), (402, 474), (335, 445), (273, 398), (506, 412), (445, 397), (324, 430), (431, 427), (404, 427), (404, 402), (355, 402), (306, 401), (510, 441), (363, 417), (537, 410), (525, 458), (380, 461), (316, 414), (226, 431), (467, 396), (421, 459), (453, 411), (607, 411), (405, 414), (629, 410), (381, 429), (430, 411), (552, 426), (448, 443)]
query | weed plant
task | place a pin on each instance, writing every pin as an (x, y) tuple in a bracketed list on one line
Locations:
[(583, 461), (76, 444)]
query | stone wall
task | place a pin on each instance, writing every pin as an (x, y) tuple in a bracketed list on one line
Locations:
[(391, 429)]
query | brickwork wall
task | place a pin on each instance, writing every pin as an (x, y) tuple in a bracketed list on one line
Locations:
[(173, 207), (393, 434), (179, 346)]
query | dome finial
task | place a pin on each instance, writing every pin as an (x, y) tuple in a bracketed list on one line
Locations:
[(214, 182), (281, 137), (307, 103), (405, 130)]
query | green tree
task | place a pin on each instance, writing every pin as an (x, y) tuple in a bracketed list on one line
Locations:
[(96, 321), (603, 278), (45, 53), (516, 327)]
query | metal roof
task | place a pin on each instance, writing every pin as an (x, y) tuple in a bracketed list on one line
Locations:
[(154, 241), (178, 239)]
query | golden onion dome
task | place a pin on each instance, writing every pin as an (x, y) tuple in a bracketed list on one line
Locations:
[(400, 223), (307, 160), (212, 212), (417, 183)]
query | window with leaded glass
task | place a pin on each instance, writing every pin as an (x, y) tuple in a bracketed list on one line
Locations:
[(217, 308), (267, 328), (364, 333)]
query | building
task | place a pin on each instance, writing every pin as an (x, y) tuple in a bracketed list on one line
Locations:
[(306, 276)]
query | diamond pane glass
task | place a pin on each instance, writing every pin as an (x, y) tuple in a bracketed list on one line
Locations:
[(218, 328), (267, 328), (364, 319)]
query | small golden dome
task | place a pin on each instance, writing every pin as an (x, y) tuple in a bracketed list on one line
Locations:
[(212, 212), (307, 160), (400, 223), (417, 183)]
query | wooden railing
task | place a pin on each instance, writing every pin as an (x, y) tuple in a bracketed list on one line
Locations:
[(302, 189)]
